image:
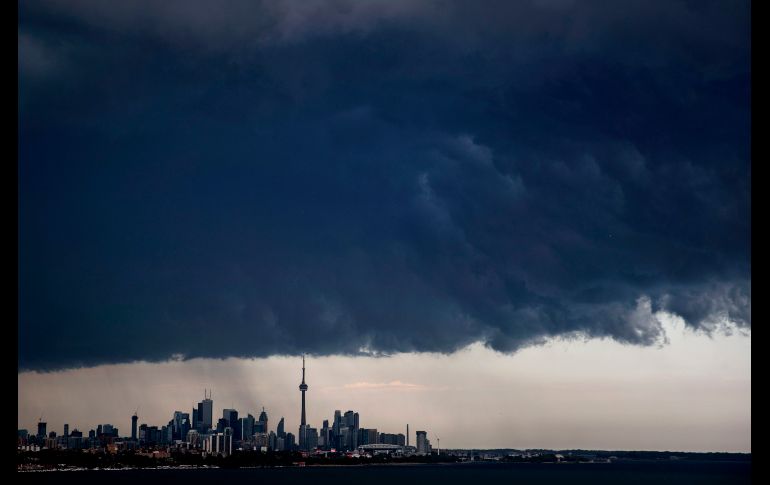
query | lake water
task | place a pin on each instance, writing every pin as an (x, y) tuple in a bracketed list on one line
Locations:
[(637, 472)]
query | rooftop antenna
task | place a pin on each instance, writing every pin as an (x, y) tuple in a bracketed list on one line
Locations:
[(438, 443)]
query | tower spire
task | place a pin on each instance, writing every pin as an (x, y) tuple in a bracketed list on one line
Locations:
[(303, 421)]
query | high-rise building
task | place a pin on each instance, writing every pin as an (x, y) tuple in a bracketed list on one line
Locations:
[(325, 438), (336, 430), (311, 438), (205, 413), (66, 430), (289, 443), (407, 434), (134, 418), (41, 430), (227, 436), (247, 427), (221, 425), (179, 425), (231, 415), (367, 436), (350, 421), (280, 431), (392, 439), (303, 421), (261, 425)]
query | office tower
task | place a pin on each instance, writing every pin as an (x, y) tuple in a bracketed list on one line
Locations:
[(302, 437), (180, 425), (336, 430), (311, 438), (205, 414), (272, 440), (227, 435), (231, 415), (303, 421), (343, 439), (354, 444), (279, 431), (41, 429), (221, 425), (107, 429), (367, 436), (247, 427), (134, 418), (280, 444), (350, 421), (66, 430), (261, 425), (324, 439), (407, 434), (289, 443)]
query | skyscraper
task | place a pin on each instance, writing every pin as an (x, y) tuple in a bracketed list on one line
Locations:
[(231, 415), (350, 421), (303, 421), (134, 418), (41, 429), (261, 425), (337, 429), (181, 425), (280, 431), (205, 413), (247, 427), (66, 430), (325, 438)]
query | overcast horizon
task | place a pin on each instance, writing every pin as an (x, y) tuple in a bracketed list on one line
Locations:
[(534, 396), (425, 197)]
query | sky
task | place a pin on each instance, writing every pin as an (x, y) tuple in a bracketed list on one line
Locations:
[(391, 185)]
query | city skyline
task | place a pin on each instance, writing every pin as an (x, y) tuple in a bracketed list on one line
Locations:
[(513, 224), (399, 389), (232, 433)]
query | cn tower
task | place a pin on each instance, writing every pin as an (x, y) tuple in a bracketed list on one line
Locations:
[(303, 388)]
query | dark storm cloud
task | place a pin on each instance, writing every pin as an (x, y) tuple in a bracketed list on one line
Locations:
[(339, 177)]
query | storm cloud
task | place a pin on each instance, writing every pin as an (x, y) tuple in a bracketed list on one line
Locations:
[(252, 179)]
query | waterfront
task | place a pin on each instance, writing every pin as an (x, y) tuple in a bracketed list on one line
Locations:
[(626, 472)]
